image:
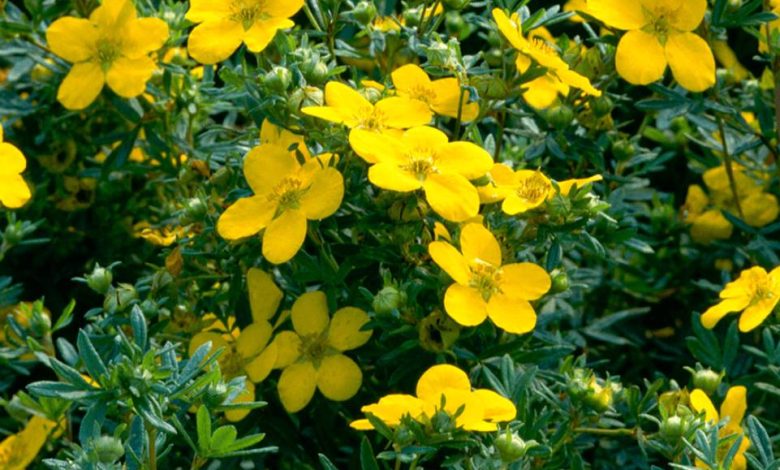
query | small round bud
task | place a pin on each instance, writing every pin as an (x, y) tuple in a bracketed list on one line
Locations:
[(708, 380), (602, 105), (278, 79), (623, 149), (559, 117), (387, 300), (13, 233), (364, 12), (119, 298), (560, 283), (99, 280), (194, 209), (316, 73), (673, 428), (371, 94), (511, 447), (109, 449)]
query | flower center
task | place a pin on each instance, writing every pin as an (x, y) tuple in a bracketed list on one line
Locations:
[(107, 52), (247, 12), (421, 164), (485, 278), (426, 94), (231, 362), (659, 24), (373, 122), (287, 193), (542, 47), (314, 348), (533, 188)]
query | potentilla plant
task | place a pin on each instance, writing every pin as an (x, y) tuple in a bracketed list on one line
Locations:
[(337, 234)]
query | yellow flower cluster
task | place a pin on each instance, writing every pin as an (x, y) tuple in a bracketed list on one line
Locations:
[(442, 388)]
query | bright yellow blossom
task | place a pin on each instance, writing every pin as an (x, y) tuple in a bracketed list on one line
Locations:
[(224, 24), (423, 158), (14, 192), (484, 287), (245, 351), (287, 194), (113, 46), (344, 105), (311, 356), (543, 91), (162, 236), (477, 410), (576, 6), (442, 95), (755, 293), (733, 408), (659, 33), (18, 450)]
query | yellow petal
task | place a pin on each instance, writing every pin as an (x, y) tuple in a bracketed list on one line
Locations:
[(325, 194), (403, 113), (253, 339), (389, 176), (331, 114), (687, 15), (449, 99), (12, 161), (566, 186), (450, 260), (263, 31), (310, 313), (497, 408), (128, 77), (113, 15), (408, 78), (509, 29), (526, 281), (284, 236), (73, 39), (440, 378), (465, 305), (701, 402), (709, 226), (205, 10), (281, 8), (246, 396), (288, 347), (390, 409), (760, 209), (346, 98), (297, 385), (695, 201), (478, 244), (81, 86), (345, 332), (258, 368), (734, 406), (424, 139), (265, 166), (245, 218), (754, 315), (714, 314), (576, 80), (451, 196), (374, 147), (217, 341), (619, 14), (14, 192), (691, 60), (512, 315), (338, 377), (143, 36), (464, 158), (542, 92), (264, 295), (645, 45), (215, 40)]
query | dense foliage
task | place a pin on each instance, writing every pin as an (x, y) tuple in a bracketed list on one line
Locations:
[(375, 234)]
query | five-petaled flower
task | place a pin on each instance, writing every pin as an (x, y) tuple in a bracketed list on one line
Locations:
[(443, 388), (733, 408), (225, 24), (543, 91), (312, 355), (424, 158), (14, 192), (286, 195), (444, 96), (755, 293), (344, 105), (113, 46), (484, 287), (659, 33)]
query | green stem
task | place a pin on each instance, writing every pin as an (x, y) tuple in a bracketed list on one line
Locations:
[(311, 17), (606, 432), (151, 433), (729, 166)]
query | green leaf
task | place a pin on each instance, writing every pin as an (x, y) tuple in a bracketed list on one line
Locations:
[(326, 463), (759, 440), (92, 361), (367, 459), (223, 438), (138, 323), (203, 419)]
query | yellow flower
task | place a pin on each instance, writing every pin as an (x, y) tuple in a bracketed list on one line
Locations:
[(18, 450), (113, 46), (659, 31), (479, 410), (484, 287), (733, 408), (311, 356), (423, 158), (387, 24), (224, 24), (345, 105), (163, 236), (755, 293), (706, 224), (14, 192), (543, 91), (245, 351), (287, 194), (442, 95)]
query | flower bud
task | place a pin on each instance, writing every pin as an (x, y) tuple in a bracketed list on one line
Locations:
[(278, 79), (560, 116), (708, 380), (109, 449), (14, 233), (119, 298), (387, 300), (673, 428), (194, 210), (560, 283), (512, 447), (99, 280), (623, 149), (364, 12), (602, 105), (456, 4), (316, 72)]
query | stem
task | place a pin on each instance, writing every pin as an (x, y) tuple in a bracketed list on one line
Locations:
[(729, 166), (311, 17), (151, 433), (607, 432)]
